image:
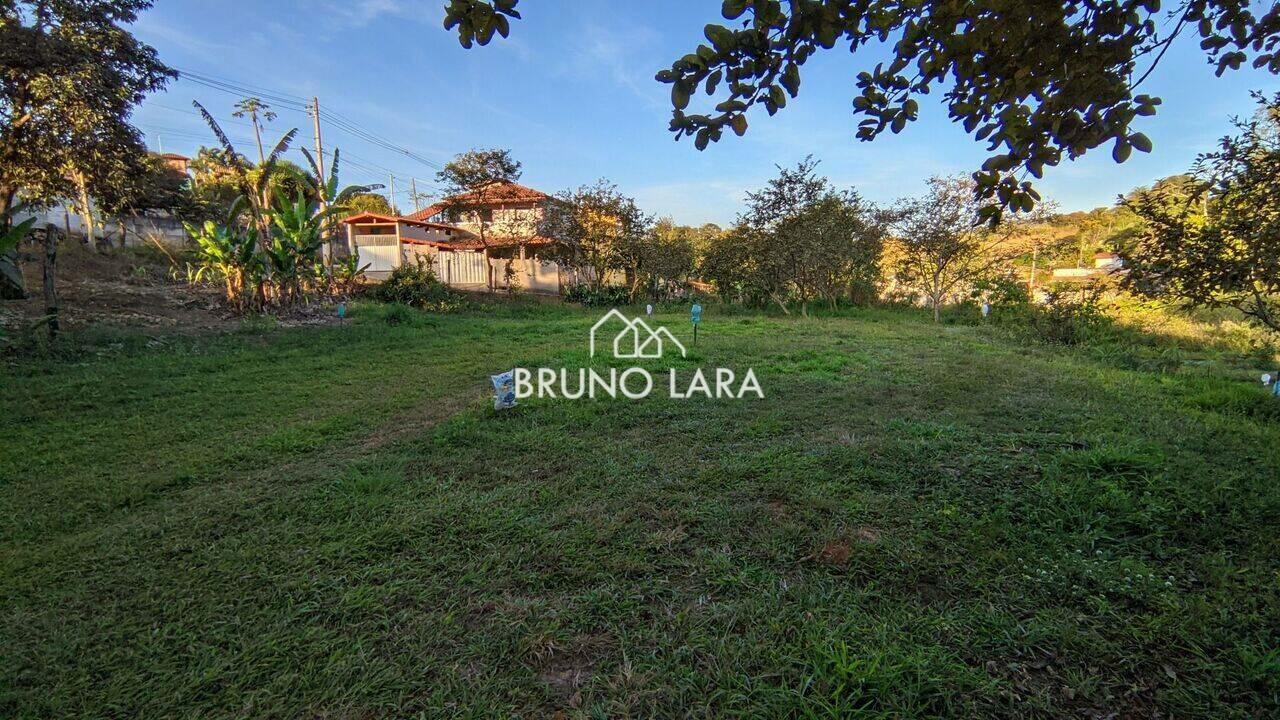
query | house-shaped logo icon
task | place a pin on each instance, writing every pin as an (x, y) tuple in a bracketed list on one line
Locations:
[(634, 338)]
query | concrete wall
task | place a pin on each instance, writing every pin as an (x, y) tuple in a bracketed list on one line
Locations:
[(141, 230)]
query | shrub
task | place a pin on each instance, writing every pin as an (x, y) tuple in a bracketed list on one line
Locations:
[(1235, 398), (417, 286), (398, 314), (1068, 318), (590, 297)]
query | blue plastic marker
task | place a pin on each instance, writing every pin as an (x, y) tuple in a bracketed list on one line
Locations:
[(695, 314)]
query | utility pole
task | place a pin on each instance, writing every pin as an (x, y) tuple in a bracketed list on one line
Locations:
[(315, 123), (321, 181), (392, 192), (413, 192)]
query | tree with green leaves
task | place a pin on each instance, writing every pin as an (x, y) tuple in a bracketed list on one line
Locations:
[(259, 113), (138, 186), (841, 238), (72, 75), (941, 248), (1038, 81), (215, 183), (798, 240), (663, 258), (598, 229), (473, 183), (1214, 239), (775, 218), (369, 203)]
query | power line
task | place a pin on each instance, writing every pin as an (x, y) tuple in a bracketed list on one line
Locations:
[(234, 87), (349, 157), (297, 103), (300, 104)]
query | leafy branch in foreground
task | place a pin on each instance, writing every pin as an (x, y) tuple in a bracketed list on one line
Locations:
[(1038, 80)]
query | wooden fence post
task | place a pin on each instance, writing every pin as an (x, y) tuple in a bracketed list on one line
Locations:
[(48, 271)]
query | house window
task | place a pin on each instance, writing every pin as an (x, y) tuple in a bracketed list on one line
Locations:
[(486, 215)]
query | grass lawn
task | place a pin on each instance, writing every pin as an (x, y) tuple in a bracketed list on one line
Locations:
[(917, 520)]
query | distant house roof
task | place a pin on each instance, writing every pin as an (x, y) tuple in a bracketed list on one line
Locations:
[(174, 156), (368, 217), (494, 194), (463, 240)]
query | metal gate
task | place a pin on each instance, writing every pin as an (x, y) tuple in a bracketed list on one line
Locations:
[(462, 268)]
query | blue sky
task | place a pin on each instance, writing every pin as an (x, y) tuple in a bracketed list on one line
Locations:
[(572, 94)]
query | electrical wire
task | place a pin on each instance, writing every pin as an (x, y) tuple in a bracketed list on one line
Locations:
[(297, 103)]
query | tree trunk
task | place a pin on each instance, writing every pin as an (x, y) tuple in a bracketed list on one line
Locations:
[(50, 289), (937, 310), (86, 214)]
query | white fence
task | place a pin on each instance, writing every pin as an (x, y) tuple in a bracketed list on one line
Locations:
[(469, 269), (461, 268)]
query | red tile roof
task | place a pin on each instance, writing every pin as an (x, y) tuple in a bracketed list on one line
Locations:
[(503, 193), (368, 217)]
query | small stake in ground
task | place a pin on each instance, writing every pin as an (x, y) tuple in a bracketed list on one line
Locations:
[(695, 314)]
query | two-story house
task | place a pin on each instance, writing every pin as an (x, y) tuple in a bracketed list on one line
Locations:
[(463, 236)]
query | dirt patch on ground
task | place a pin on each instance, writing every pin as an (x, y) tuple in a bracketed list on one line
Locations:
[(777, 509), (835, 553), (421, 420), (130, 287), (136, 287), (567, 669)]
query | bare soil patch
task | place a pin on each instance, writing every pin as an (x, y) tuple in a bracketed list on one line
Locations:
[(135, 287)]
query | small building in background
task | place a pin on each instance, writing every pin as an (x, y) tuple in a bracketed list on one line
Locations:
[(1107, 261), (179, 163), (1103, 264)]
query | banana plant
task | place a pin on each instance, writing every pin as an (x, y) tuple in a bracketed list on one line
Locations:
[(329, 194), (347, 273), (16, 234), (230, 253), (297, 236), (255, 188), (327, 188)]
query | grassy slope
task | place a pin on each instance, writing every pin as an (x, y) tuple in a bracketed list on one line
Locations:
[(917, 520)]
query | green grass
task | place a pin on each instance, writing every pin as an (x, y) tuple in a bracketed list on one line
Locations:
[(917, 520)]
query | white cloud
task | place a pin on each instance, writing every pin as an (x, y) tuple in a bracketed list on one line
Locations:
[(359, 13), (617, 55)]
